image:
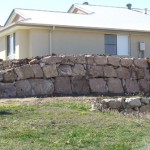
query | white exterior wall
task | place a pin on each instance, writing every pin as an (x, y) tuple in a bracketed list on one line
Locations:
[(77, 42), (22, 44), (2, 48), (38, 42)]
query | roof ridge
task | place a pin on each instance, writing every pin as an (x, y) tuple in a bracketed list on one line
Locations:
[(40, 10), (111, 6)]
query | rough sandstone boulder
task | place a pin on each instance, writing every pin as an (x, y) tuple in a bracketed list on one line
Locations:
[(115, 103), (95, 71), (114, 61), (140, 73), (144, 86), (7, 90), (80, 86), (89, 59), (34, 61), (23, 88), (123, 73), (37, 70), (9, 76), (145, 101), (145, 109), (140, 63), (41, 87), (68, 60), (133, 102), (63, 86), (1, 67), (24, 72), (49, 60), (98, 85), (78, 70), (1, 75), (147, 74), (109, 72), (80, 59), (115, 86), (126, 62), (132, 86), (50, 71), (100, 60), (64, 70)]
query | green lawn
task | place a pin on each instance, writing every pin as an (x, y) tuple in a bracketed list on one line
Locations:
[(69, 125)]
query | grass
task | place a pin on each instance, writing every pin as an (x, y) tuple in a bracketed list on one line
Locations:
[(69, 125)]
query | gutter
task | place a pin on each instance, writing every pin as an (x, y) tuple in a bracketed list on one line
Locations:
[(72, 27)]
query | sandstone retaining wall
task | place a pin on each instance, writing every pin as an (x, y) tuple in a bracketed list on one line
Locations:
[(74, 75)]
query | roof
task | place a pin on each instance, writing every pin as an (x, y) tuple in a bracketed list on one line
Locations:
[(96, 17)]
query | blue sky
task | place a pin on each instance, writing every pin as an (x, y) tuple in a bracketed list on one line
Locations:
[(6, 6)]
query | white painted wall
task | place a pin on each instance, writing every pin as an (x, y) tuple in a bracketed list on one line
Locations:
[(2, 48)]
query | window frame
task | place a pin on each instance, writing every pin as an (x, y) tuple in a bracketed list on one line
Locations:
[(108, 42), (11, 45)]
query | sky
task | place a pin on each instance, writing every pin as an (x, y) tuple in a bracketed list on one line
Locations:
[(6, 6)]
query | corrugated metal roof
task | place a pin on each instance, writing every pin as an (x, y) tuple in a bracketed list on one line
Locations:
[(100, 17)]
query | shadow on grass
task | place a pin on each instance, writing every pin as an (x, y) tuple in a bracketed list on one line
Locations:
[(5, 113)]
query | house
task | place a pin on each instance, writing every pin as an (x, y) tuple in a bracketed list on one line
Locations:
[(84, 29)]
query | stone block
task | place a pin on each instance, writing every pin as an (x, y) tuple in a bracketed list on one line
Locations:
[(49, 60), (114, 61), (132, 86), (1, 67), (64, 70), (37, 70), (133, 102), (140, 73), (24, 72), (115, 86), (80, 59), (7, 64), (78, 70), (144, 86), (145, 100), (126, 62), (1, 76), (89, 59), (7, 90), (100, 60), (41, 87), (23, 88), (147, 74), (98, 85), (63, 86), (95, 71), (145, 109), (9, 76), (34, 61), (123, 73), (140, 63), (115, 103), (80, 86), (50, 71), (68, 60), (109, 72)]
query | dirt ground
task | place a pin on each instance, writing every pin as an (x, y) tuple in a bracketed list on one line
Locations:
[(35, 100)]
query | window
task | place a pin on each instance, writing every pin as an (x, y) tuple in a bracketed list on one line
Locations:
[(111, 44), (116, 44), (11, 46)]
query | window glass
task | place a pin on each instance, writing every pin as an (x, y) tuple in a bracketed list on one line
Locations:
[(110, 44)]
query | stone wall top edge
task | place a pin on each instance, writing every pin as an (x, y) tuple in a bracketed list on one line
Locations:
[(35, 60)]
